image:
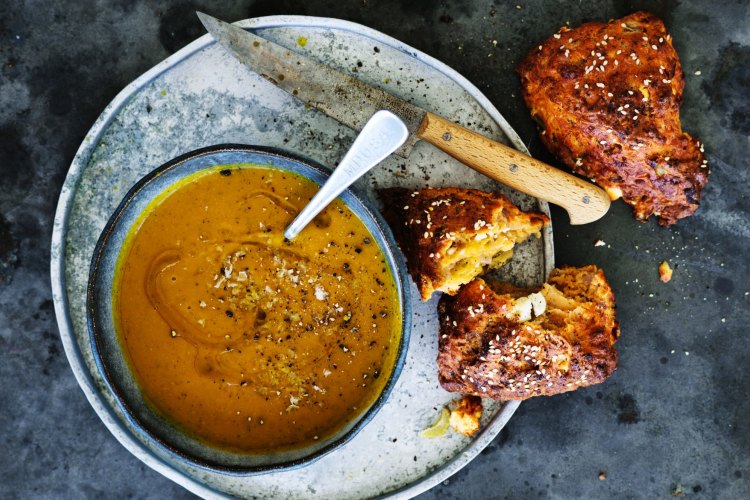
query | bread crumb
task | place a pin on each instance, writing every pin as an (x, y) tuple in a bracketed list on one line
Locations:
[(599, 243), (665, 272), (466, 415)]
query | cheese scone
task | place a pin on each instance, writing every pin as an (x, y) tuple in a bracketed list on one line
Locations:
[(452, 235), (606, 97), (503, 342)]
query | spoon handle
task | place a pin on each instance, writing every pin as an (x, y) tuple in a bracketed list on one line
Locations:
[(383, 134)]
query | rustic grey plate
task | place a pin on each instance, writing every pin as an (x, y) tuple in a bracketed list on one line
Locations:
[(202, 96)]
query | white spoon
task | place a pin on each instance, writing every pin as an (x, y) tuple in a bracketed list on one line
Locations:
[(383, 134)]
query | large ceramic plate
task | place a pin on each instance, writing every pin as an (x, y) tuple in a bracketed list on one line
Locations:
[(202, 96)]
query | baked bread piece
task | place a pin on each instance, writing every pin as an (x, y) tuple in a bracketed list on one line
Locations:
[(491, 345), (451, 235), (467, 415), (606, 98)]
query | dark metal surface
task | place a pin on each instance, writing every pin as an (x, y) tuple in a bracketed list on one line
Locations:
[(346, 99), (671, 421)]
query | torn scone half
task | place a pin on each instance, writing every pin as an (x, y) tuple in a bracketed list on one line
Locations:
[(507, 343), (452, 235), (606, 97)]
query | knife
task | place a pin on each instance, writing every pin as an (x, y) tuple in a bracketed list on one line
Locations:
[(352, 102)]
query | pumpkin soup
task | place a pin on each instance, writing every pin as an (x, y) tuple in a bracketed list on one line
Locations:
[(245, 340)]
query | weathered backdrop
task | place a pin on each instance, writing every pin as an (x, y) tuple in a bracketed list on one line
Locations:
[(673, 418)]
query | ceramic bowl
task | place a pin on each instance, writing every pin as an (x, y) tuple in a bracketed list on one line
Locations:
[(149, 426)]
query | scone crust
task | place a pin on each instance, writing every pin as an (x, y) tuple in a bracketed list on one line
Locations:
[(483, 352), (606, 98), (425, 223)]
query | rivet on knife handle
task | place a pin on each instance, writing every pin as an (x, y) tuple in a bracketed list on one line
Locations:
[(583, 201)]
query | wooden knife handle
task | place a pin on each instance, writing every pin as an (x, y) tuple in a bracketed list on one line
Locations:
[(583, 201)]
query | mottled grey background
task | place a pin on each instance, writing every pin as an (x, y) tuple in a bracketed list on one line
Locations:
[(673, 420)]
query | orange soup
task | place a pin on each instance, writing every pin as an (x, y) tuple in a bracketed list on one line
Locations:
[(245, 340)]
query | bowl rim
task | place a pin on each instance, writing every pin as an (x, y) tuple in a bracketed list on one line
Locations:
[(399, 272)]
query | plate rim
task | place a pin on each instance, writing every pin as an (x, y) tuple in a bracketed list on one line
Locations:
[(67, 194)]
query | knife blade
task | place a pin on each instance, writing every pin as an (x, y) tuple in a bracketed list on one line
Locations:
[(352, 102)]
